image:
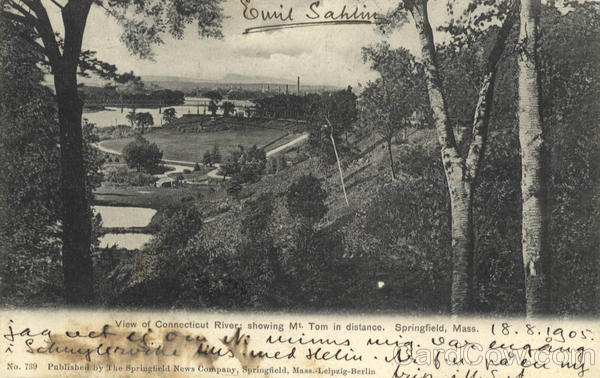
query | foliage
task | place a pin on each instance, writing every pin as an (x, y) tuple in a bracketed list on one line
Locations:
[(115, 132), (122, 175), (235, 186), (214, 96), (228, 108), (281, 163), (131, 92), (398, 99), (271, 167), (141, 120), (155, 275), (207, 159), (306, 199), (30, 204), (212, 157), (245, 164), (570, 91), (339, 106), (169, 115), (215, 154), (260, 263), (142, 155), (213, 107)]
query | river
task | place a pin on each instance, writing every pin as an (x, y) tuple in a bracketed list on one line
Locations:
[(121, 216), (113, 116)]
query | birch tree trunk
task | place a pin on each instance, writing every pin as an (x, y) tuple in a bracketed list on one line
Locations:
[(460, 191), (531, 138), (461, 173)]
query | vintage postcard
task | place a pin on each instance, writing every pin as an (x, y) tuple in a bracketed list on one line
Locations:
[(275, 188)]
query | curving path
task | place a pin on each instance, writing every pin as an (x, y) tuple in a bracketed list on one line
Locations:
[(179, 165)]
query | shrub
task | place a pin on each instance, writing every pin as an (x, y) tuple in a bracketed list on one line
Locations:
[(207, 159), (215, 155), (306, 199), (281, 163), (246, 164), (142, 155), (122, 175), (271, 166), (235, 186)]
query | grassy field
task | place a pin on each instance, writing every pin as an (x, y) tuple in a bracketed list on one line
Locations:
[(192, 146)]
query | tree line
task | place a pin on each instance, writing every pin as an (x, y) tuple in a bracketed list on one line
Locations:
[(110, 93), (307, 107)]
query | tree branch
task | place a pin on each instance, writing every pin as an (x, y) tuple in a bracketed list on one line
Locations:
[(20, 19), (57, 4), (25, 12), (485, 99), (453, 163), (39, 48), (44, 28)]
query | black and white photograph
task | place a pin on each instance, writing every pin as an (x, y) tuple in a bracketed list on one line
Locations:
[(405, 157)]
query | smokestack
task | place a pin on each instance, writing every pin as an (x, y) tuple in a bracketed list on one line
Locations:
[(298, 85), (287, 89)]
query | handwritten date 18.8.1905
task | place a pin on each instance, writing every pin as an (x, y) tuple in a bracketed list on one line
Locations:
[(551, 334)]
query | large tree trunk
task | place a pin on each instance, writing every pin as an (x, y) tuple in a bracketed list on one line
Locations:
[(76, 222), (76, 213), (454, 168), (531, 138), (462, 247)]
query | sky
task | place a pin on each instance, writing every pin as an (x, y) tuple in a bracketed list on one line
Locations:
[(322, 55)]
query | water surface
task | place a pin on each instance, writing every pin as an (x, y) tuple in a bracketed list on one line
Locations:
[(122, 216), (125, 240)]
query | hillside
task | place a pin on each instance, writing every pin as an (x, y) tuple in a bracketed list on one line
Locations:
[(363, 177)]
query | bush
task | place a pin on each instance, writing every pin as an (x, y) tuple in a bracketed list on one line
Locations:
[(142, 155), (196, 167), (215, 155), (306, 199), (187, 171), (271, 166), (122, 175), (235, 186), (281, 163), (245, 164), (207, 159)]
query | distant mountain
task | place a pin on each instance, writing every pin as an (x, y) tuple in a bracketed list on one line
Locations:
[(193, 86), (175, 79), (227, 79)]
